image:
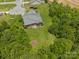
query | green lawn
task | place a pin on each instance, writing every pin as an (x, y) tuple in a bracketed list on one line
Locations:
[(6, 7)]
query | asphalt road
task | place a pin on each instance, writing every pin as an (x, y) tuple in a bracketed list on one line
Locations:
[(17, 2)]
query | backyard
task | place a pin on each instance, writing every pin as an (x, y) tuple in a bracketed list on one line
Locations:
[(43, 37), (40, 34)]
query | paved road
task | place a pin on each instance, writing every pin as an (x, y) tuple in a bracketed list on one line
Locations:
[(2, 3), (19, 2)]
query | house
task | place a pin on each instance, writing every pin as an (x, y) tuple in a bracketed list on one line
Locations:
[(34, 3), (18, 10), (32, 19)]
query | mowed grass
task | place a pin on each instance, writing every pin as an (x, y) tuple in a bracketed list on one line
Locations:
[(6, 7), (41, 34)]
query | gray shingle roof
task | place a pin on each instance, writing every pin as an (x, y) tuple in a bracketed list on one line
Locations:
[(32, 17)]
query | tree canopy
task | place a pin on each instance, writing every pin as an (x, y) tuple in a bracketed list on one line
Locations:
[(65, 24)]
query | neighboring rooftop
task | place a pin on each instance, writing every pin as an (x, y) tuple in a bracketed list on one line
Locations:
[(17, 10)]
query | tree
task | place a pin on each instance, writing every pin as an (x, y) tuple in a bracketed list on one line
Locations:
[(3, 26), (65, 24), (14, 43), (61, 46), (46, 1)]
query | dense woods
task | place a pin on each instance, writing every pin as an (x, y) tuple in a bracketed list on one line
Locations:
[(65, 26)]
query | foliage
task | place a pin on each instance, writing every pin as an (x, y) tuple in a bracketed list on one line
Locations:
[(65, 24), (46, 1), (64, 21), (14, 41)]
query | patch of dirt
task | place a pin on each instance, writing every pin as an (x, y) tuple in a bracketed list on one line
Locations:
[(72, 3), (34, 43)]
